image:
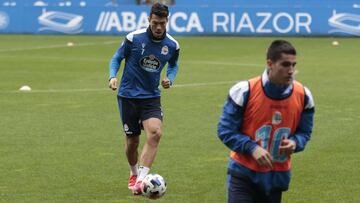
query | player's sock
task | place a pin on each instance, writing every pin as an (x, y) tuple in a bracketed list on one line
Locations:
[(143, 171), (134, 170)]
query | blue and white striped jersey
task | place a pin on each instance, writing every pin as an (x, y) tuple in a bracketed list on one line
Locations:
[(144, 61)]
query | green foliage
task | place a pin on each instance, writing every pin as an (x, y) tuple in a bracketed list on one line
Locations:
[(63, 142)]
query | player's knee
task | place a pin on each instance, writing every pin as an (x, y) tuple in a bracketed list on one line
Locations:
[(133, 143), (155, 134)]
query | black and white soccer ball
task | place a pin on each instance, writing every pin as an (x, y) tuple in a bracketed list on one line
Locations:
[(153, 186)]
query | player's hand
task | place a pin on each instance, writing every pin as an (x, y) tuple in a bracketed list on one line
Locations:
[(262, 157), (113, 83), (165, 83), (287, 147)]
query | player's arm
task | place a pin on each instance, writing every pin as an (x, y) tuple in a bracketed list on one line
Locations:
[(172, 70), (303, 132), (230, 124), (115, 62), (232, 118)]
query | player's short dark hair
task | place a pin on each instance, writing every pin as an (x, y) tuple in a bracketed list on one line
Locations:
[(279, 47), (160, 10)]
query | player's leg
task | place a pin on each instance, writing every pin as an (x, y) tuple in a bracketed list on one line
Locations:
[(152, 128), (130, 120), (273, 197), (151, 116), (240, 189), (131, 151)]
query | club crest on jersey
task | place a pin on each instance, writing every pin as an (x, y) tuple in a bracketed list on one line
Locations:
[(150, 63), (165, 50), (276, 118)]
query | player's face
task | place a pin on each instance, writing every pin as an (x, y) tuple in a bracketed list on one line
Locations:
[(158, 25), (282, 71)]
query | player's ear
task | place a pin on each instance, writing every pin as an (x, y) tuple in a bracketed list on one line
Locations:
[(269, 63)]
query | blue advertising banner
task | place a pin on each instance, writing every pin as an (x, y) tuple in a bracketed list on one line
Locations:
[(330, 20)]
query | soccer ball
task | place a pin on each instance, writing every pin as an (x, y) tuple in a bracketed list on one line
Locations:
[(153, 186)]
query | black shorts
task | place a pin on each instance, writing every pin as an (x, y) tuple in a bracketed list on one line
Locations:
[(242, 189), (134, 111)]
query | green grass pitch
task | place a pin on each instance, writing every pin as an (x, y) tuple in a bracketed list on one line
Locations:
[(63, 142)]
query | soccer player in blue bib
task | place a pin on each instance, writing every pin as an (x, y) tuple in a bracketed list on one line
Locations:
[(146, 52)]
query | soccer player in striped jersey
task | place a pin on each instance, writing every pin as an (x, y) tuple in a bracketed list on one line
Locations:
[(146, 52), (264, 121)]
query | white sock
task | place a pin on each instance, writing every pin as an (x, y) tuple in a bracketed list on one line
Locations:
[(134, 169), (143, 171)]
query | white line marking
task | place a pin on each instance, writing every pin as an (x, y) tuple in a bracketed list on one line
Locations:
[(59, 46), (64, 58), (224, 63), (67, 58), (106, 89), (207, 84), (106, 43)]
